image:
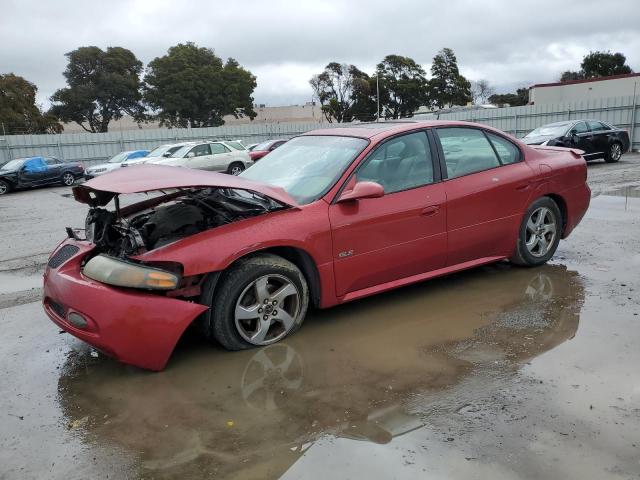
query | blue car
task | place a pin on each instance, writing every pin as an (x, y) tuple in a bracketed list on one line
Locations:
[(114, 162), (29, 172)]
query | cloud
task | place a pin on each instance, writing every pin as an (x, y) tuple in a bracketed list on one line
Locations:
[(284, 42)]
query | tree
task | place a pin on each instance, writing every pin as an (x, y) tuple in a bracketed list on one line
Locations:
[(191, 87), (102, 86), (570, 76), (521, 97), (18, 110), (604, 64), (481, 91), (447, 86), (403, 86), (344, 93)]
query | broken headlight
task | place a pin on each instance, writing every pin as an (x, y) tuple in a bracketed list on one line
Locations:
[(120, 273)]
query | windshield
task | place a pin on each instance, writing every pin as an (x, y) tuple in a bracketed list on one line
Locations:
[(307, 167), (119, 158), (551, 130), (161, 150), (181, 152), (13, 164)]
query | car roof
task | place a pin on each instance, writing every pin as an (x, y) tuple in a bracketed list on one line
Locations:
[(384, 129)]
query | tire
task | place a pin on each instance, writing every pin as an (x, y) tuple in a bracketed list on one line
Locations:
[(532, 237), (237, 318), (68, 179), (614, 153), (5, 187), (236, 168)]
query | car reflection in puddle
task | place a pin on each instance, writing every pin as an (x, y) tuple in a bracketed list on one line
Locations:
[(371, 370)]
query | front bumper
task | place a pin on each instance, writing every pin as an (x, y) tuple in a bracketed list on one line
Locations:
[(134, 327)]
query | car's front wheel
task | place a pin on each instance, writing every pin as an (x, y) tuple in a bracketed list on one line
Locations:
[(539, 233), (5, 187), (236, 168), (258, 301), (68, 179), (614, 153)]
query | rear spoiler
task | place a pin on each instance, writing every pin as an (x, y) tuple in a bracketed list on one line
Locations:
[(576, 152)]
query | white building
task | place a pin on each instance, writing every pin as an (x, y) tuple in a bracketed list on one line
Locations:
[(580, 90)]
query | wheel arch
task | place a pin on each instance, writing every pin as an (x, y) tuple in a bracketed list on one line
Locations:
[(562, 205)]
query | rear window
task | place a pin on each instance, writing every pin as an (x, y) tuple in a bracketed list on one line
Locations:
[(236, 146)]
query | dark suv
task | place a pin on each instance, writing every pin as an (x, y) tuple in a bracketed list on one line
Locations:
[(597, 139)]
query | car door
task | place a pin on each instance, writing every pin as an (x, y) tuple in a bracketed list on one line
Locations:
[(221, 157), (54, 169), (403, 233), (34, 172), (487, 187), (600, 137), (199, 157), (582, 138)]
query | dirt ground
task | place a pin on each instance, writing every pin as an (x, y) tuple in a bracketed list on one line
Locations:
[(498, 372)]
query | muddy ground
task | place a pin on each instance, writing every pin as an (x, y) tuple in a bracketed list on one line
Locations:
[(498, 372)]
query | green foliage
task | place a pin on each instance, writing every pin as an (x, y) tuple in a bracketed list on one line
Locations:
[(447, 86), (599, 64), (18, 110), (102, 86), (521, 97), (344, 92), (403, 86), (190, 86)]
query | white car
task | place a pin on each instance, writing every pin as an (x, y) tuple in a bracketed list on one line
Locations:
[(115, 162), (158, 153), (218, 156)]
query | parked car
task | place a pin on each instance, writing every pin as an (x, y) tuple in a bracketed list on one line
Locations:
[(114, 163), (218, 156), (251, 146), (261, 149), (331, 216), (160, 152), (595, 138), (36, 171)]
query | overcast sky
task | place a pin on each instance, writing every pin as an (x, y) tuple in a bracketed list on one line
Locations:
[(509, 42)]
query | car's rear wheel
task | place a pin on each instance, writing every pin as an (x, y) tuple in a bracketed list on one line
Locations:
[(539, 234), (5, 187), (258, 301), (235, 168), (68, 179), (614, 153)]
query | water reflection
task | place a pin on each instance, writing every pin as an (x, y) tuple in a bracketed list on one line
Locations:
[(365, 371)]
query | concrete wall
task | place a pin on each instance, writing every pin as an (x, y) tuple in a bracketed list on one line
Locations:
[(584, 90)]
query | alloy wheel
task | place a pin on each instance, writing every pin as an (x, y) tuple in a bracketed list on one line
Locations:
[(236, 170), (541, 231), (267, 309), (616, 152), (68, 179), (3, 188)]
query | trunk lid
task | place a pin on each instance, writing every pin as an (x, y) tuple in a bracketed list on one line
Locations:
[(147, 178)]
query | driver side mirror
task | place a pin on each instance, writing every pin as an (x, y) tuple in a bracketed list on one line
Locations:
[(191, 155), (573, 136), (166, 155), (362, 190)]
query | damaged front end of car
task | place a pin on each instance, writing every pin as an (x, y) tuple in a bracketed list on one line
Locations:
[(97, 285)]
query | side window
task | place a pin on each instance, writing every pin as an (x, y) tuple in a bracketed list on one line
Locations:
[(580, 127), (200, 150), (52, 161), (217, 148), (399, 164), (466, 150), (507, 151), (597, 126)]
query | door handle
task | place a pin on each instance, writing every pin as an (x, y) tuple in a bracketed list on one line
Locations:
[(430, 211), (523, 187)]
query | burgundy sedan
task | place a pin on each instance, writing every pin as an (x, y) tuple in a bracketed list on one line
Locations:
[(264, 148), (331, 216)]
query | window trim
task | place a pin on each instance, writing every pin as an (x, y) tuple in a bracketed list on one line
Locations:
[(443, 163), (437, 174)]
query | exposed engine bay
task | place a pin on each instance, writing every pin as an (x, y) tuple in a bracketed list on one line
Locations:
[(176, 215)]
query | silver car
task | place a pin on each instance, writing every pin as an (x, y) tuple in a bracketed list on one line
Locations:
[(218, 156)]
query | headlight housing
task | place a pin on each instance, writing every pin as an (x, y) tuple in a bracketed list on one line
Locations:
[(113, 271)]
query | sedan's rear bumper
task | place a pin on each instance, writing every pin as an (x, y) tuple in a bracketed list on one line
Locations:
[(134, 327)]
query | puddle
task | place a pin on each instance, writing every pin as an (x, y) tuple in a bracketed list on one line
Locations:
[(370, 371)]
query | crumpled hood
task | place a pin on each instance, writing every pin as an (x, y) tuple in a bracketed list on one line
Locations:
[(147, 178)]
